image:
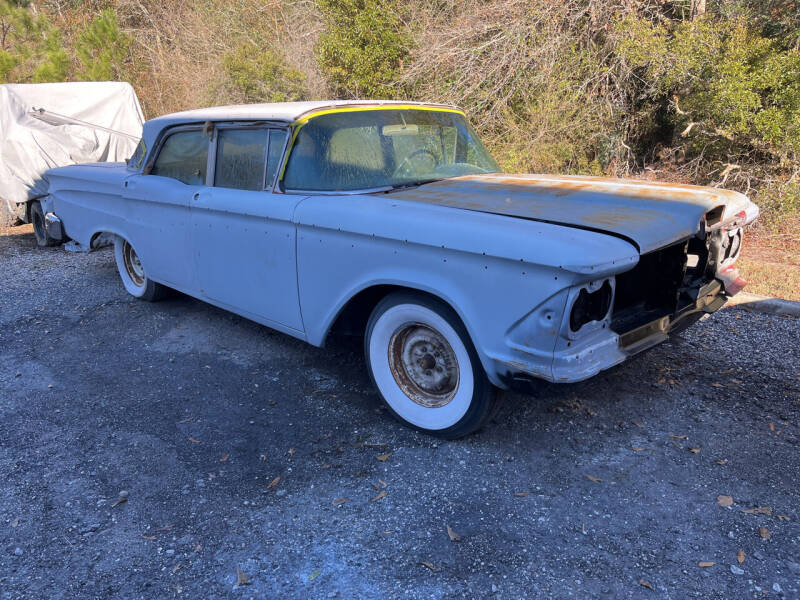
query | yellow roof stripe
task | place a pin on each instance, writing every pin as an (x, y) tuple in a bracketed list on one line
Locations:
[(303, 120)]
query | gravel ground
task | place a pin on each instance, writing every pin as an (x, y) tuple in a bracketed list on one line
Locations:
[(241, 453)]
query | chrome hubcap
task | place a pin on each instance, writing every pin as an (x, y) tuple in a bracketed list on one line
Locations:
[(132, 264), (424, 365)]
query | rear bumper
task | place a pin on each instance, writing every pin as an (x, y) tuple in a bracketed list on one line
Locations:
[(603, 349)]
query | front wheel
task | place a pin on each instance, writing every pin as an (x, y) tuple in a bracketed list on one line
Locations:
[(133, 275), (425, 367)]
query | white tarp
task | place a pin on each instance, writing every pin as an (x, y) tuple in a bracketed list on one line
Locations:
[(74, 128)]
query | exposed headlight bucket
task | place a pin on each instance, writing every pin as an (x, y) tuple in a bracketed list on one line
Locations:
[(591, 306)]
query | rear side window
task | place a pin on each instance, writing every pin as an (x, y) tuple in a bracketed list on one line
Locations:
[(184, 156), (241, 156)]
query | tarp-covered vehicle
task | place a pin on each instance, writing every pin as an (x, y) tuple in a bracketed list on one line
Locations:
[(391, 220), (48, 125)]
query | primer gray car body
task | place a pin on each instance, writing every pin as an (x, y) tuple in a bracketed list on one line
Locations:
[(512, 255)]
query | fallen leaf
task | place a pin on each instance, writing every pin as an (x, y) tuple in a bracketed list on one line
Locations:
[(637, 449), (194, 441), (695, 450), (326, 466), (148, 537), (717, 385), (314, 574), (721, 462), (119, 501), (273, 403), (772, 426), (274, 482), (705, 564), (724, 501), (187, 420), (454, 537), (383, 457), (15, 522), (740, 556), (647, 584), (427, 565), (223, 458), (759, 510), (176, 568), (241, 578), (382, 482), (784, 518), (592, 478), (638, 424), (381, 494), (197, 547), (339, 501), (764, 533), (521, 494), (291, 451), (678, 437)]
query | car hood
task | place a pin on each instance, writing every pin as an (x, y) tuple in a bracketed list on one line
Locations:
[(648, 214)]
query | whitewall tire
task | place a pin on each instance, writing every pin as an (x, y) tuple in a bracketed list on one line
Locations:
[(133, 275), (425, 366)]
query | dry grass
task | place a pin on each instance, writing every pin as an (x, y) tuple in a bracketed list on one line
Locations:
[(770, 261), (177, 46)]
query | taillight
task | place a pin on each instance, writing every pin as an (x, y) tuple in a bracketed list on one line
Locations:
[(591, 306)]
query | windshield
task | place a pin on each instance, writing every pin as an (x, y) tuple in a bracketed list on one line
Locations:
[(369, 149)]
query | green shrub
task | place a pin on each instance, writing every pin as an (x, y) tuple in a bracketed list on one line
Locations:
[(31, 49), (733, 91), (363, 47), (102, 49), (260, 75)]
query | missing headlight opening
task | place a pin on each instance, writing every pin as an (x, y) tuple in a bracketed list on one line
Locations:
[(590, 306)]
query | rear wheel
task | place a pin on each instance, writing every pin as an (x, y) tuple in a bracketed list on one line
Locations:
[(425, 367), (39, 229), (133, 275)]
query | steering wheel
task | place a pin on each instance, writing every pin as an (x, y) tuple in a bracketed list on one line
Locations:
[(402, 164)]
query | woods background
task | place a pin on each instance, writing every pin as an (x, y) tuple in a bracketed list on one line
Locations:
[(699, 91)]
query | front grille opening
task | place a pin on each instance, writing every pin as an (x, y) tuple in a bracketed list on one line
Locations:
[(664, 282)]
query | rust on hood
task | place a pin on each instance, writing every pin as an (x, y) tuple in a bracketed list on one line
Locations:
[(648, 214)]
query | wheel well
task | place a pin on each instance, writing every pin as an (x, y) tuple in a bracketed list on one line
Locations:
[(352, 318)]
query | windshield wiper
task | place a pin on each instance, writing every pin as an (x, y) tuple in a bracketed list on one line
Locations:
[(404, 186)]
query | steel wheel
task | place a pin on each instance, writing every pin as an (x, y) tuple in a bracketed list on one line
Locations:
[(133, 274), (133, 265), (425, 367)]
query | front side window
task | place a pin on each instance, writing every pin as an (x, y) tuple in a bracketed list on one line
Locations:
[(184, 156), (372, 149), (241, 156)]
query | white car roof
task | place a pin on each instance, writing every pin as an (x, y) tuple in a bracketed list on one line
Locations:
[(275, 111)]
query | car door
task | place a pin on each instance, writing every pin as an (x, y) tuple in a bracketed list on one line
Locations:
[(243, 236), (157, 207)]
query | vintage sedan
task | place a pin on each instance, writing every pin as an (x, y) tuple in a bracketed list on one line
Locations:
[(391, 220)]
